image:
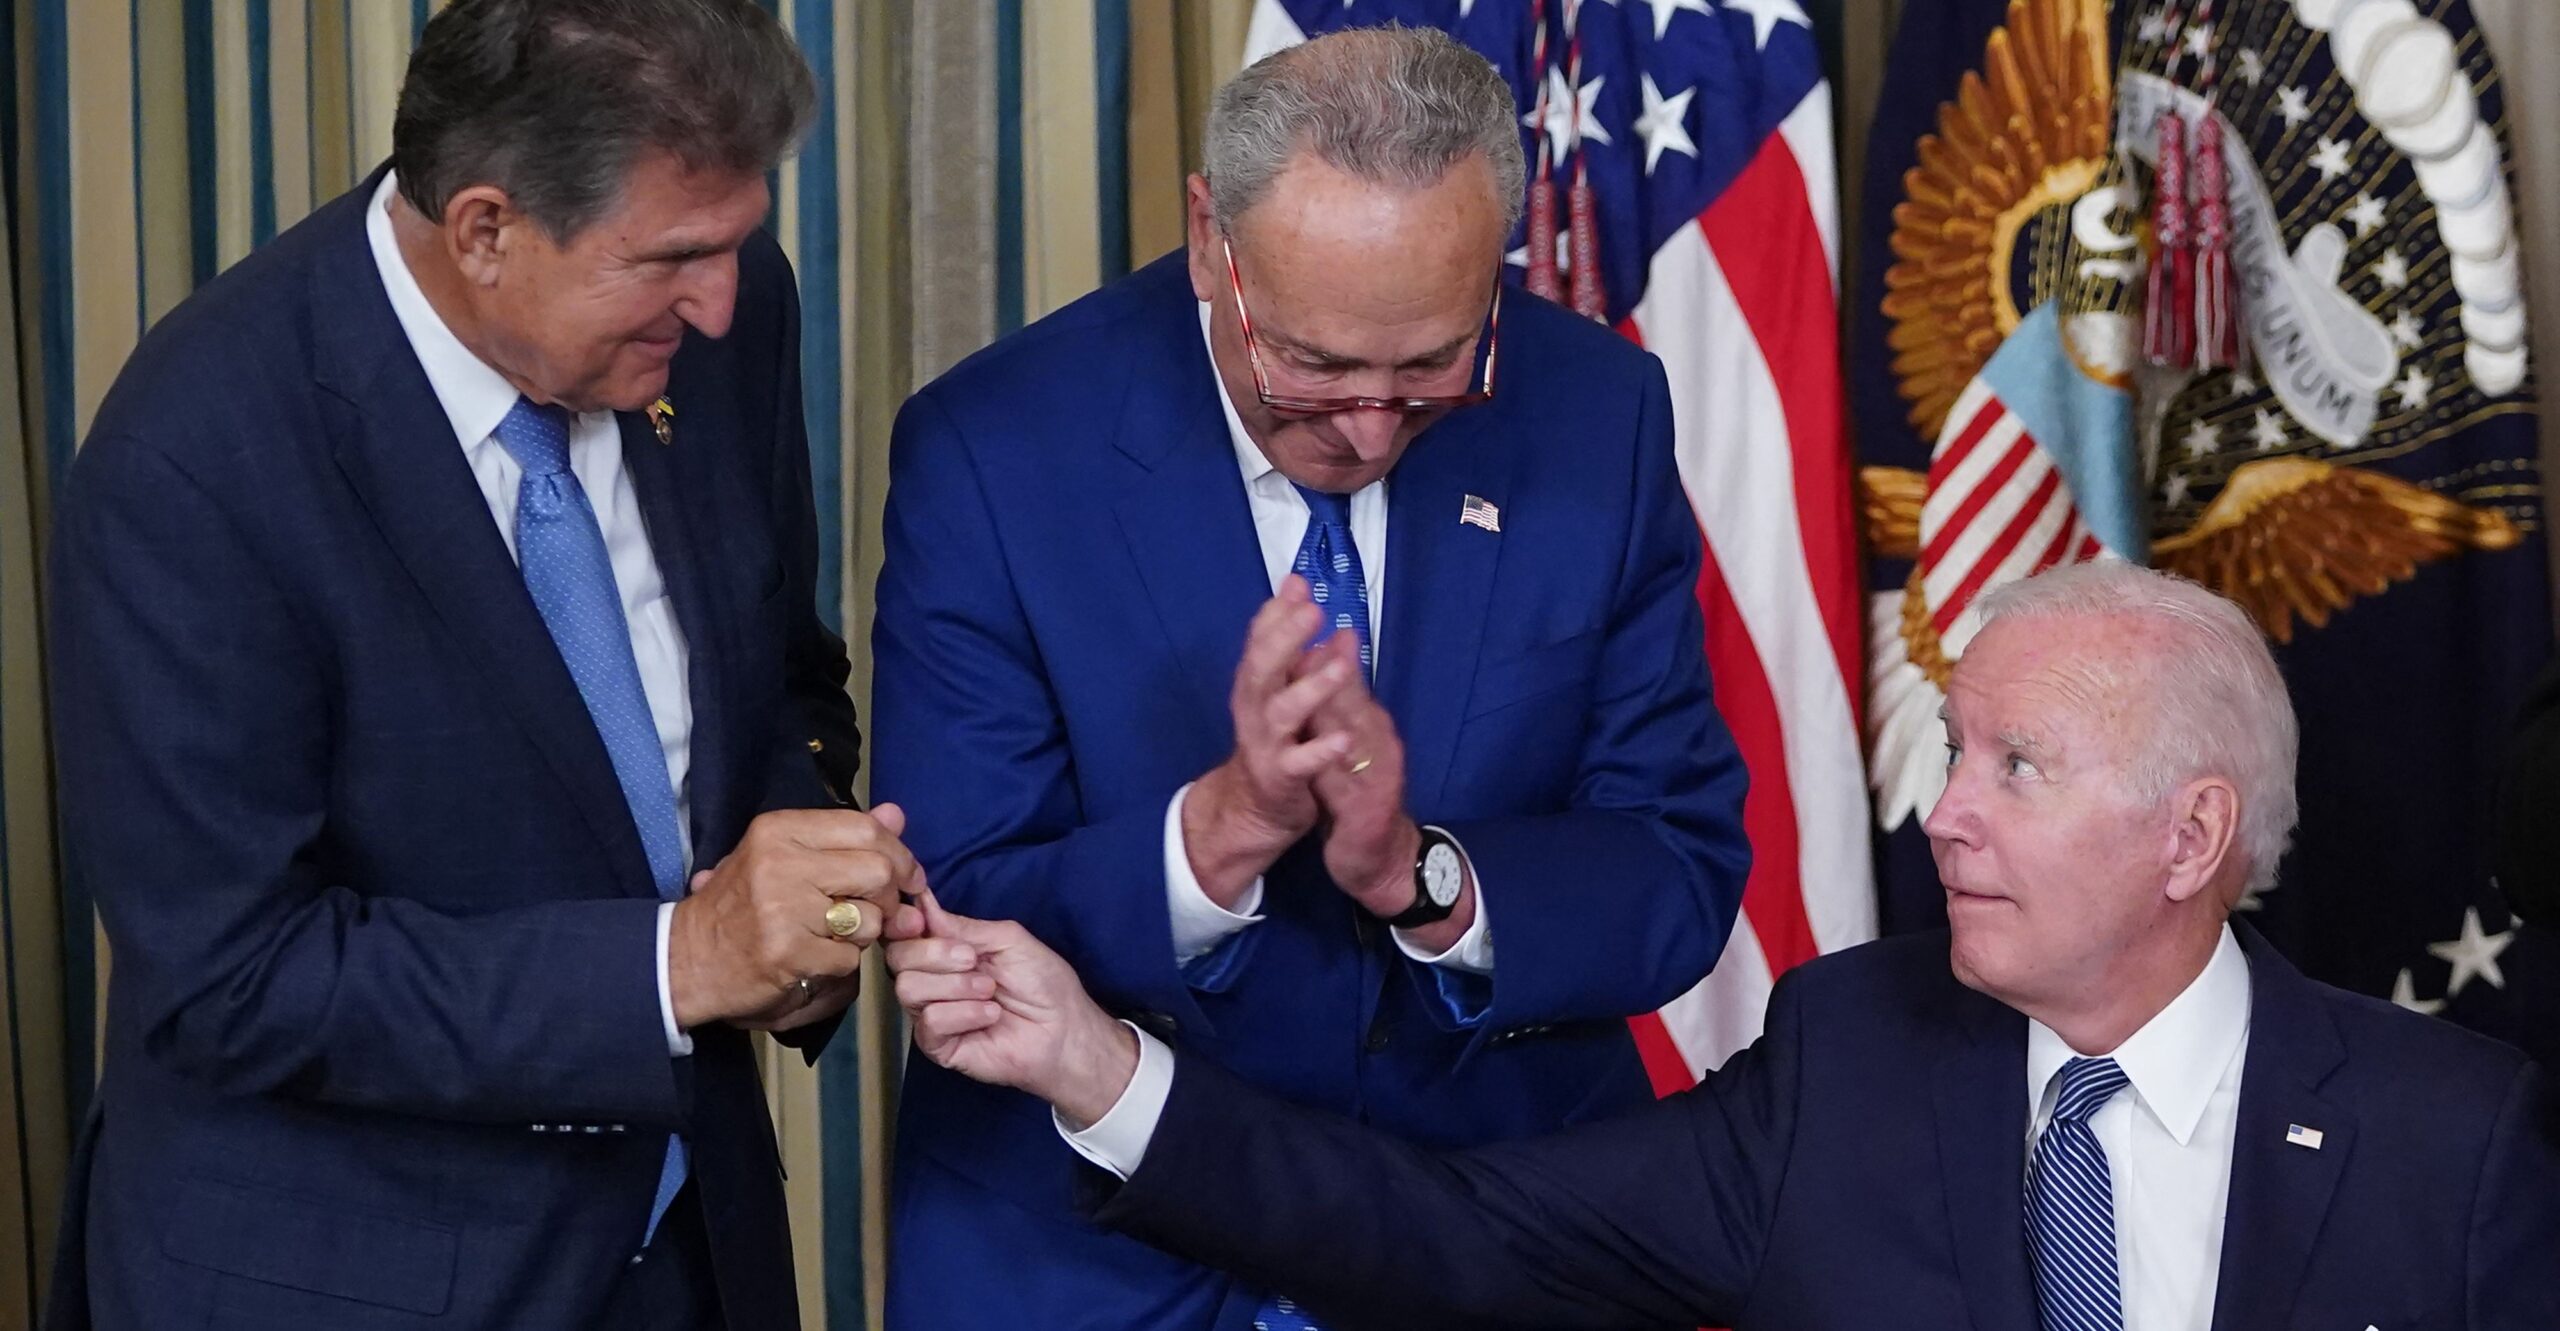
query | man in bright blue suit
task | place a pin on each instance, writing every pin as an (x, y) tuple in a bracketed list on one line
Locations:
[(2093, 1104), (433, 596), (1420, 874)]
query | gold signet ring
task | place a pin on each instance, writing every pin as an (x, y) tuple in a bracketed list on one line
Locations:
[(845, 918)]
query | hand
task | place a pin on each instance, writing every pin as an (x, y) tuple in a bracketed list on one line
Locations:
[(1241, 815), (755, 925), (990, 1002), (1369, 842)]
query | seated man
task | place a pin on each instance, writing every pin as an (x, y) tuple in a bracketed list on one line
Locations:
[(2120, 1110)]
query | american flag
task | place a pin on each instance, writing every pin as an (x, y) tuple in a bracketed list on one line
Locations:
[(1684, 191)]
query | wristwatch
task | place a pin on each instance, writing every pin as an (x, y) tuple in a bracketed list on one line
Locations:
[(1438, 875)]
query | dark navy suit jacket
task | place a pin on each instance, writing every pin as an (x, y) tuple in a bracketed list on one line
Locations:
[(1070, 567), (1862, 1166), (383, 1043)]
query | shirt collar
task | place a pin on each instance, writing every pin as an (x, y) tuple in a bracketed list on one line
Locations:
[(1249, 455), (2177, 1059), (474, 396)]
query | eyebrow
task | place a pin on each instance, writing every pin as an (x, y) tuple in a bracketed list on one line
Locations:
[(2019, 739)]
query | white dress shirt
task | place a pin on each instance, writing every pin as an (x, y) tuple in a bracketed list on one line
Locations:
[(2168, 1139), (2167, 1136), (475, 398), (1280, 526)]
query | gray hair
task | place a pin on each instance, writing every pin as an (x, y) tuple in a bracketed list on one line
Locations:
[(555, 101), (2218, 703), (1392, 105)]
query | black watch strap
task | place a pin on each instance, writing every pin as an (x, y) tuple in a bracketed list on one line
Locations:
[(1424, 911)]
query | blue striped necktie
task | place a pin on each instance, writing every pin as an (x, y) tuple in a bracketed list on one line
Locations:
[(560, 547), (2071, 1206), (1330, 563)]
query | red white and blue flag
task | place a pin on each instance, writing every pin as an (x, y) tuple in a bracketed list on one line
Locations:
[(1684, 191)]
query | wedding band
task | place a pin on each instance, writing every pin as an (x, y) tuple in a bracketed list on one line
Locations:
[(805, 992), (1359, 767), (844, 919)]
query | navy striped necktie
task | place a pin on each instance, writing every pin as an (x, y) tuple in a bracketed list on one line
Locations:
[(2071, 1206)]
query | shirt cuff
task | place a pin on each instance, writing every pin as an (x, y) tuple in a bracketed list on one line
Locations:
[(1199, 924), (1473, 952), (679, 1044), (1118, 1140)]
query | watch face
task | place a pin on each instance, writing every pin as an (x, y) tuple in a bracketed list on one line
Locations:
[(1440, 876)]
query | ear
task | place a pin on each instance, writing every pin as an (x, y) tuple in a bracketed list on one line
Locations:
[(480, 225), (2204, 831), (1200, 231)]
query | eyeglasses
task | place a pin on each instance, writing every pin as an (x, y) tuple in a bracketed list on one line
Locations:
[(1323, 406)]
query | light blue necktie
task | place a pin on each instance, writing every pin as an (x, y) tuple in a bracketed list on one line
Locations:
[(560, 547), (2071, 1206), (1330, 563)]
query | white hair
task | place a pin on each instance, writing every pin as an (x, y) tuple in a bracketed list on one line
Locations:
[(2217, 702), (1391, 105)]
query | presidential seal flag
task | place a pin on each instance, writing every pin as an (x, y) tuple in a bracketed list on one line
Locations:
[(2361, 478), (1683, 191)]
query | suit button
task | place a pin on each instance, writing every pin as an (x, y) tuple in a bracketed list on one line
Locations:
[(1378, 1038), (816, 747)]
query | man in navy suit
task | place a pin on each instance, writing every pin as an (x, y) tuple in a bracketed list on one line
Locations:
[(2114, 1109), (433, 597), (1420, 875)]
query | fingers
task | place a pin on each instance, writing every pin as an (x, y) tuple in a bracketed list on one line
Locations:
[(939, 956), (916, 989), (838, 830), (891, 818), (905, 922), (1280, 631), (1287, 711), (939, 1022)]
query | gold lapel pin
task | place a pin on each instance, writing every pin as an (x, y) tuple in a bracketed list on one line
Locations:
[(662, 418)]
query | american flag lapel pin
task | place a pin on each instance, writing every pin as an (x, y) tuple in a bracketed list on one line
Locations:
[(2297, 1135), (1478, 512), (662, 418)]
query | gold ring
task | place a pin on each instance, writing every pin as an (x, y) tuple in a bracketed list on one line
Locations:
[(845, 918), (805, 992), (1359, 767)]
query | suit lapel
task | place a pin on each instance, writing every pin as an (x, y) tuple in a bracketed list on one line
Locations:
[(2279, 1191), (661, 475), (1182, 508), (1980, 1092), (397, 450), (1440, 587)]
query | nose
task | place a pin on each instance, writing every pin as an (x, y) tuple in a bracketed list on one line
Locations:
[(1954, 820), (1370, 432), (708, 296)]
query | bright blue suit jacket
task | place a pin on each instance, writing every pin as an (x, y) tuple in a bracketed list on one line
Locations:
[(1070, 567), (1863, 1166), (383, 1043)]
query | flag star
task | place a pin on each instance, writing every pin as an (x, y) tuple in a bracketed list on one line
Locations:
[(2156, 26), (2200, 42), (1664, 10), (2332, 160), (2269, 432), (2253, 66), (2176, 494), (2404, 993), (1766, 15), (2368, 215), (1664, 124), (1568, 117), (2473, 955), (2414, 389), (2243, 384), (2294, 105), (2203, 441), (2408, 332), (2393, 269)]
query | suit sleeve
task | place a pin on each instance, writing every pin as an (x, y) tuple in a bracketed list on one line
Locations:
[(819, 754), (971, 742), (1659, 1218), (2528, 847), (2513, 1281), (195, 714), (1622, 901)]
